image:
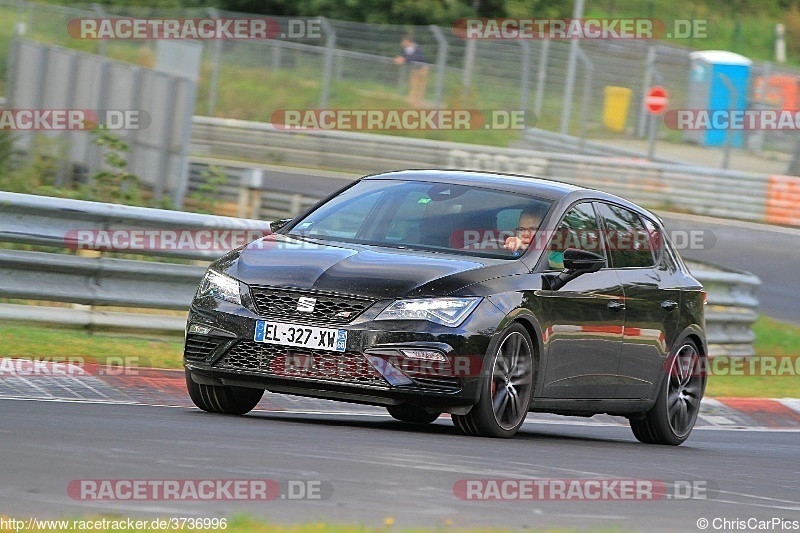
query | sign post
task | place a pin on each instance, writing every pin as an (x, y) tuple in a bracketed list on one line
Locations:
[(655, 102)]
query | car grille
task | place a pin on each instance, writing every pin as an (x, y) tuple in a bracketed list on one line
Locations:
[(301, 363), (200, 346), (329, 308)]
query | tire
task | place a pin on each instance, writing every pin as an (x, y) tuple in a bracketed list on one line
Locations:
[(674, 414), (222, 398), (506, 392), (412, 414)]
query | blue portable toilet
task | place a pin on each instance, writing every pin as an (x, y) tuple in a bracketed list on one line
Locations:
[(708, 90)]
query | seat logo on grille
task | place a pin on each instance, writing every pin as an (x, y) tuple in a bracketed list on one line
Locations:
[(306, 305)]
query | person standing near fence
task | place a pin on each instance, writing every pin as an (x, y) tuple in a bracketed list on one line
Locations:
[(418, 75)]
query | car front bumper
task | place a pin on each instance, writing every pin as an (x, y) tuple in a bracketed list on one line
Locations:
[(374, 368)]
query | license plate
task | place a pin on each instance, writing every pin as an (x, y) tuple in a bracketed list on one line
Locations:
[(301, 336)]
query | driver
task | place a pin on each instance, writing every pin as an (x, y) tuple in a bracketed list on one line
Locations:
[(529, 222)]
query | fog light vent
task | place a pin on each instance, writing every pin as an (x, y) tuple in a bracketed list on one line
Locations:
[(428, 355)]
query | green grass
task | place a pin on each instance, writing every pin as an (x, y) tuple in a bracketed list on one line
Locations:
[(60, 343), (773, 337), (754, 38)]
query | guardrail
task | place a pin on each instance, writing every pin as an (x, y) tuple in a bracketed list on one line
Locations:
[(725, 193), (104, 281), (731, 308), (550, 141), (46, 221)]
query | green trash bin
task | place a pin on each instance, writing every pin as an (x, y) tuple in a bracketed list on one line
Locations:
[(615, 107)]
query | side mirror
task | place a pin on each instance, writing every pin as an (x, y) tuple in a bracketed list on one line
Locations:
[(576, 262), (582, 260), (275, 225)]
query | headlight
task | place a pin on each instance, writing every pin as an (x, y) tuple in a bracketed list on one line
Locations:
[(446, 311), (220, 286)]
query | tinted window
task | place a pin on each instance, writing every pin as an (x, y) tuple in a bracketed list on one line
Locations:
[(434, 216), (578, 229), (627, 239), (656, 239), (407, 219), (348, 218)]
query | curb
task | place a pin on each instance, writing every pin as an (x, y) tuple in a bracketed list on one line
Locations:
[(157, 386)]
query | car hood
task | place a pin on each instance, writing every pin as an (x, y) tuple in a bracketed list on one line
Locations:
[(375, 272)]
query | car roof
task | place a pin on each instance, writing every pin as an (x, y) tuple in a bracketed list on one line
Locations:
[(544, 188), (557, 191)]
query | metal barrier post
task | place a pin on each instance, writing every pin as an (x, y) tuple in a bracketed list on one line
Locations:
[(566, 108), (525, 74), (469, 65), (213, 83), (541, 77), (100, 13), (330, 44), (250, 193), (726, 153), (441, 63), (648, 81), (654, 120), (69, 90), (756, 139), (587, 92)]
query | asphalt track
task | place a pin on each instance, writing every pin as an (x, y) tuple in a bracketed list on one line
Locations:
[(769, 252), (378, 468)]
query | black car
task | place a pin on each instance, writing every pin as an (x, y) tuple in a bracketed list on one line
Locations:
[(481, 295)]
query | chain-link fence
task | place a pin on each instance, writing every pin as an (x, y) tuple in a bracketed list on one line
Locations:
[(348, 65)]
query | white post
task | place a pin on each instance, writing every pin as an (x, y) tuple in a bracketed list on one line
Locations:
[(780, 44)]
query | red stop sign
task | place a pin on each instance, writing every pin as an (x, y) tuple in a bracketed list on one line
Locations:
[(656, 100)]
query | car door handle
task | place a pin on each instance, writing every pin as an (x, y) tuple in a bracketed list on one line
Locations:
[(669, 305), (616, 305)]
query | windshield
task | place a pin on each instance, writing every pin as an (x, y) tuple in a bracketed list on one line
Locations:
[(422, 215)]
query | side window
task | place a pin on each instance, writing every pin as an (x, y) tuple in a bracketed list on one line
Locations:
[(578, 229), (656, 240), (627, 239)]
